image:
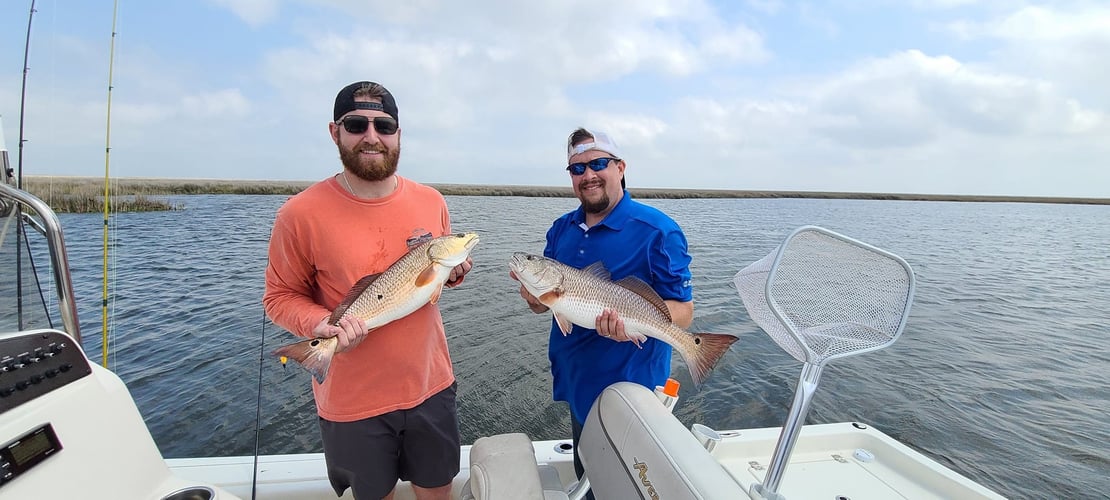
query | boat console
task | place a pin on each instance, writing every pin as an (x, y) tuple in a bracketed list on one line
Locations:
[(70, 429), (32, 366)]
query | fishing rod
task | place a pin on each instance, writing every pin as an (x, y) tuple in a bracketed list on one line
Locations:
[(107, 159), (19, 167), (23, 97), (258, 405)]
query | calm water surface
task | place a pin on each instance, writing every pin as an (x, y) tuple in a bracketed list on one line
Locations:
[(1000, 373)]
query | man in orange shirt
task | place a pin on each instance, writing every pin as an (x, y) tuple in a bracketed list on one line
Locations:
[(387, 409)]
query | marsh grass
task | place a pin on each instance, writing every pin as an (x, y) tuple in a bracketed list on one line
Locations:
[(95, 204), (81, 196), (86, 194)]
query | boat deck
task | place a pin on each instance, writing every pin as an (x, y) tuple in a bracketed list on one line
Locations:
[(843, 460), (304, 476)]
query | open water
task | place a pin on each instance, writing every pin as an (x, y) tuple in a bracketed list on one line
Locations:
[(1000, 373)]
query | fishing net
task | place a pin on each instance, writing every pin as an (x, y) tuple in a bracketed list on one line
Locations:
[(822, 296)]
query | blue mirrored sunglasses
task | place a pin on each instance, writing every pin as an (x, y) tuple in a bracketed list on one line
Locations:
[(596, 164)]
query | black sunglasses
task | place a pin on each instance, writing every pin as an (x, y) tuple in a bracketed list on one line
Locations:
[(358, 124), (596, 164)]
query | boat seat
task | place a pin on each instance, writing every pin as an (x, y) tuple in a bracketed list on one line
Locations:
[(633, 447), (503, 467)]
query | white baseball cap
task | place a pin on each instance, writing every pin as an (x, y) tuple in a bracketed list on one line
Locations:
[(601, 142)]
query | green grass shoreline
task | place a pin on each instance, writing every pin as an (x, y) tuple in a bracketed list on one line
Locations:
[(82, 194)]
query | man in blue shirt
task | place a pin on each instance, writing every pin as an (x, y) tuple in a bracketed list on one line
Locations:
[(630, 239)]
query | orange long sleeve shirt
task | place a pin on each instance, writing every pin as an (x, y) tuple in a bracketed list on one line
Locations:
[(324, 240)]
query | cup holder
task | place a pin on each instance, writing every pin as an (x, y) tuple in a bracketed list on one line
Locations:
[(192, 493)]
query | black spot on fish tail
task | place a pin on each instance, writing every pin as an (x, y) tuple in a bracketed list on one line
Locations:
[(709, 349), (313, 355)]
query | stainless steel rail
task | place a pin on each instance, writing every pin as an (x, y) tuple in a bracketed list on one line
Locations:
[(59, 262)]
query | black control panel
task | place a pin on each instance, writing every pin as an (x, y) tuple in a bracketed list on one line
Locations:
[(33, 364)]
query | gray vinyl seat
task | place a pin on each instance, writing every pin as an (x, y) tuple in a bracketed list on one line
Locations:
[(633, 447), (503, 467)]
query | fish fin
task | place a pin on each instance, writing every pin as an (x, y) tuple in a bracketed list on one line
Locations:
[(426, 276), (709, 348), (637, 339), (313, 355), (564, 324), (598, 269), (352, 296), (416, 242), (435, 295), (550, 298), (639, 287)]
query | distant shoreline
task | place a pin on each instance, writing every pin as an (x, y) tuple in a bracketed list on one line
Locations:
[(45, 184)]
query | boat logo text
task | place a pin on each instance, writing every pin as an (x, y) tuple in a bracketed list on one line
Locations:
[(643, 468)]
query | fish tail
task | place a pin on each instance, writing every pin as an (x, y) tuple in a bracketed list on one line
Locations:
[(313, 355), (708, 349)]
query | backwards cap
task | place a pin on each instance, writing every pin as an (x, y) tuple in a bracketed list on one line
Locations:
[(345, 101), (601, 142)]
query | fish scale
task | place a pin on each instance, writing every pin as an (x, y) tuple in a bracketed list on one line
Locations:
[(393, 292)]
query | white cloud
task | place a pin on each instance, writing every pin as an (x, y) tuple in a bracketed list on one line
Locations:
[(253, 12), (633, 129), (1044, 24), (572, 41), (1066, 44), (910, 98), (698, 93), (944, 4), (771, 7), (221, 103), (740, 44), (515, 62)]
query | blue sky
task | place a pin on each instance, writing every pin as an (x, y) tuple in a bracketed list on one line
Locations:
[(919, 96)]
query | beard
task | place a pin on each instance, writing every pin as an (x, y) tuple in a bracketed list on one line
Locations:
[(370, 169), (596, 206)]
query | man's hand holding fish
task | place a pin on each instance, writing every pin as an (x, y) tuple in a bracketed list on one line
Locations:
[(349, 331)]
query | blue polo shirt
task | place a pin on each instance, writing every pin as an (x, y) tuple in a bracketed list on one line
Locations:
[(633, 240)]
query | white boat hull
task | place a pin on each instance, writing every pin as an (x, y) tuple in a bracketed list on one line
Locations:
[(825, 464)]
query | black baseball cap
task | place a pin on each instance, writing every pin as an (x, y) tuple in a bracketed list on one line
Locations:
[(345, 101)]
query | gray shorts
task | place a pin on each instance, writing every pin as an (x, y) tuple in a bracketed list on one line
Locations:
[(420, 445)]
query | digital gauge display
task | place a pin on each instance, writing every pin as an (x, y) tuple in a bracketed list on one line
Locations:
[(21, 454), (24, 451)]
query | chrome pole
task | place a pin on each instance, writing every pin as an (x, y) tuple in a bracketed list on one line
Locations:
[(803, 396), (52, 230)]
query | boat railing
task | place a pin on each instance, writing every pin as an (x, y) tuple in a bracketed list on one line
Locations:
[(21, 207)]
